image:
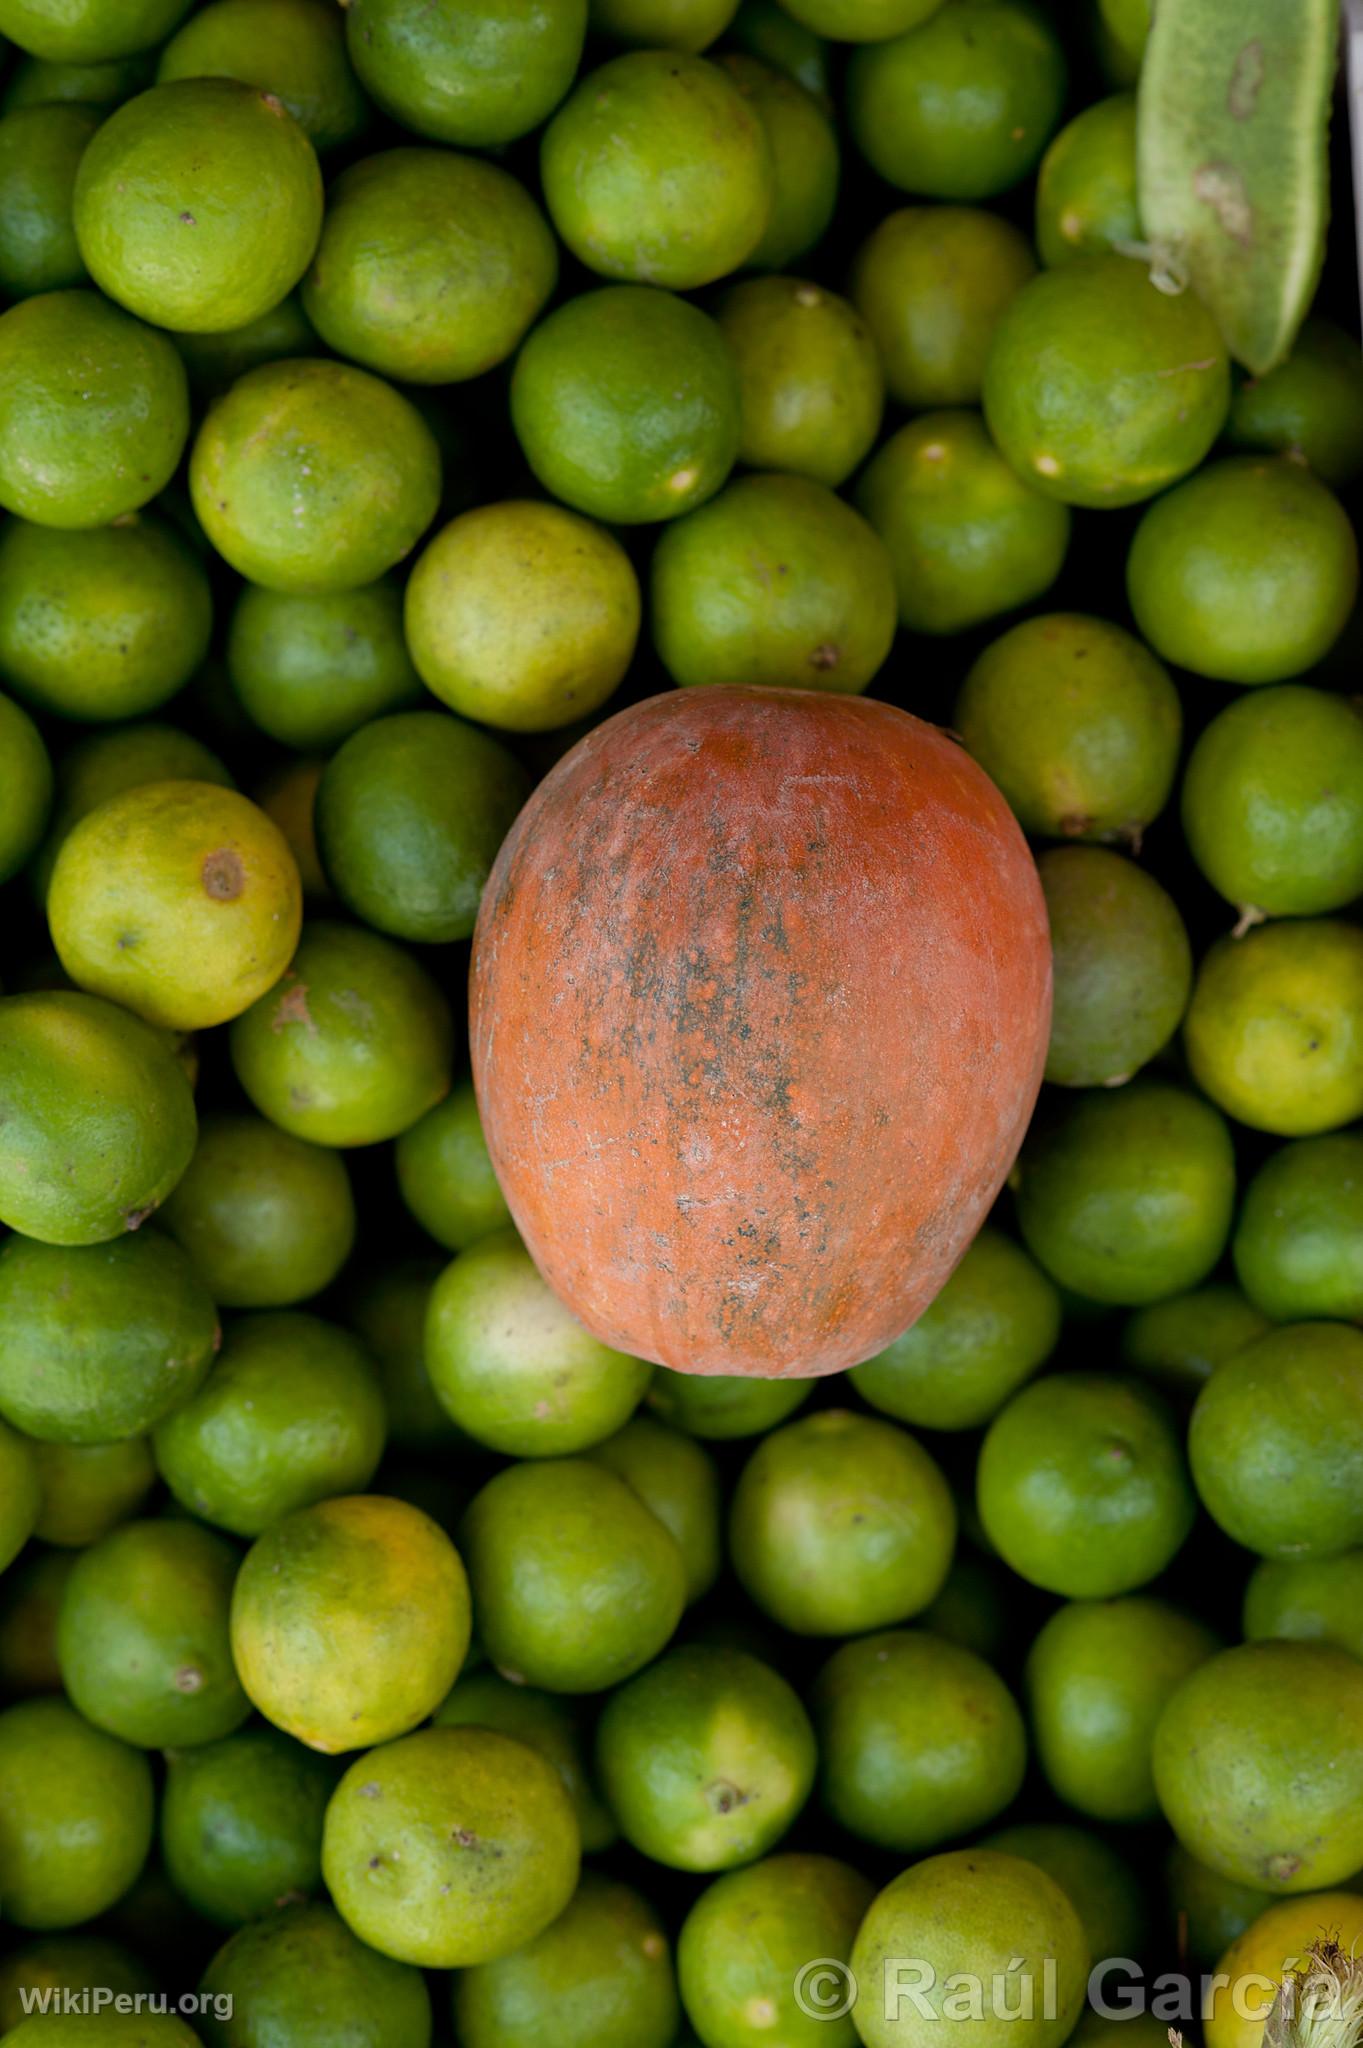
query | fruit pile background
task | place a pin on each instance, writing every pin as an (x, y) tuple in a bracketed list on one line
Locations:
[(386, 395)]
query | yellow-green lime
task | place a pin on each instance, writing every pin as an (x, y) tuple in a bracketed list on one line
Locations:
[(312, 476), (353, 1045), (294, 49), (99, 1119), (76, 1815), (180, 900), (810, 381), (350, 1620), (431, 265), (930, 283), (1274, 1033), (1101, 389), (523, 615), (94, 410), (198, 204), (657, 169), (451, 1847), (103, 625)]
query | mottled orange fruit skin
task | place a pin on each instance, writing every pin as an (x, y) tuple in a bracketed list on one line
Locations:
[(760, 1002)]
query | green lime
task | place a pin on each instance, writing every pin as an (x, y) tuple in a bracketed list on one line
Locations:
[(39, 81), (1247, 573), (1122, 29), (1298, 1244), (89, 31), (267, 1219), (576, 1583), (76, 1813), (970, 1918), (313, 477), (810, 381), (40, 151), (657, 169), (1077, 723), (600, 1976), (974, 1607), (386, 1307), (215, 361), (806, 161), (840, 1523), (1314, 1600), (241, 1823), (705, 1759), (26, 781), (65, 1962), (1098, 1676), (688, 25), (431, 265), (142, 1635), (1276, 1442), (543, 1722), (679, 1483), (410, 814), (1086, 200), (1123, 966), (993, 1325), (198, 204), (626, 404), (1255, 1770), (1082, 1486), (514, 1368), (105, 763), (446, 1175), (352, 1046), (180, 900), (1126, 1196), (746, 1946), (290, 1414), (771, 33), (88, 1489), (101, 625), (1275, 1030), (30, 1599), (721, 1406), (1310, 407), (776, 581), (94, 410), (21, 1496), (1179, 1343), (920, 1740), (472, 72), (98, 1120), (1100, 388), (523, 615), (294, 49), (1095, 1877), (962, 105), (298, 1975), (1273, 802), (1208, 1911), (967, 538), (350, 1619), (98, 1342), (931, 283), (450, 1848), (309, 671)]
